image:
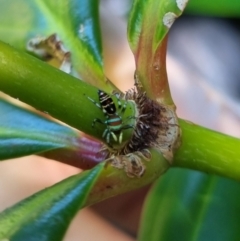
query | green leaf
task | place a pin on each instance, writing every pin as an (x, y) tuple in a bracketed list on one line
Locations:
[(47, 214), (33, 216), (223, 8), (23, 132), (148, 25), (187, 205), (75, 22)]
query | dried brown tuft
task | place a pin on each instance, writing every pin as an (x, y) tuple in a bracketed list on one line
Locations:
[(157, 126)]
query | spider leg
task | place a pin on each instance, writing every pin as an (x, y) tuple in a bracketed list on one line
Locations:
[(99, 121), (124, 107), (120, 137), (113, 135), (95, 103), (106, 135), (121, 107), (129, 118), (127, 127)]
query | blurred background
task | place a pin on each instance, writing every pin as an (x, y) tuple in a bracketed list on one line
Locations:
[(202, 64)]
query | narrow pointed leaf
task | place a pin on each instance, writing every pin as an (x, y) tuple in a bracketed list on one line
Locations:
[(148, 25), (46, 215), (24, 133), (75, 22), (188, 205)]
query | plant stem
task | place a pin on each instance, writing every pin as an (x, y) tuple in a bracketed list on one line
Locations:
[(52, 91), (65, 98), (208, 151)]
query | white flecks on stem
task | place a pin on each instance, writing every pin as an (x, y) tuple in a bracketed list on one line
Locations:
[(181, 4), (168, 19)]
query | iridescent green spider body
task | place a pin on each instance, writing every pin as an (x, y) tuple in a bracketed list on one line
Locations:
[(114, 123)]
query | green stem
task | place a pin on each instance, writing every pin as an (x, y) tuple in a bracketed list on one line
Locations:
[(53, 91), (65, 98), (208, 151)]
